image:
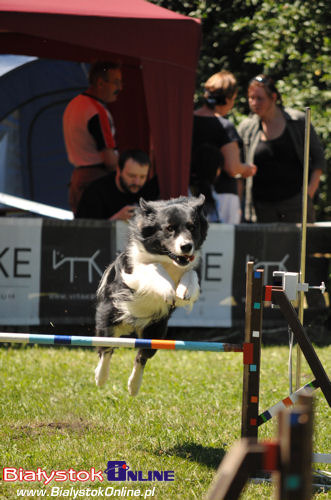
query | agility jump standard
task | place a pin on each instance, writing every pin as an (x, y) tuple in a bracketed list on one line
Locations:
[(177, 345), (256, 295)]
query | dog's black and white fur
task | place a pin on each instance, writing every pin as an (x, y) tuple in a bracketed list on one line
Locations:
[(154, 275)]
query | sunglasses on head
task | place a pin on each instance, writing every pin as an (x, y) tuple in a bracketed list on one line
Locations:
[(261, 79)]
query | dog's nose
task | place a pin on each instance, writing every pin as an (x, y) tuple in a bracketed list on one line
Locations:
[(186, 248)]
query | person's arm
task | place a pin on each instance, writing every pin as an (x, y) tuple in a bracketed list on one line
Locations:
[(99, 127), (317, 162), (314, 182), (110, 159), (232, 163), (124, 213)]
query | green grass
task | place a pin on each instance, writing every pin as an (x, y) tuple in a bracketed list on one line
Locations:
[(186, 417)]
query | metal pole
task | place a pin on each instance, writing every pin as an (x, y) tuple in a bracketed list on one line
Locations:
[(303, 238)]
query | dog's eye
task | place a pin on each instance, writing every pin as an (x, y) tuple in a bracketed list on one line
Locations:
[(190, 227), (170, 228)]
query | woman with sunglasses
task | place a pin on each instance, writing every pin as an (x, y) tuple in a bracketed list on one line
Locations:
[(273, 139)]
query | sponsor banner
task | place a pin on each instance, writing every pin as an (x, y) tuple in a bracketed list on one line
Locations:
[(73, 260), (20, 270), (50, 270)]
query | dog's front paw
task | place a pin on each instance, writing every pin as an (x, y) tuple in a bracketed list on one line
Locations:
[(188, 290), (187, 301), (185, 294)]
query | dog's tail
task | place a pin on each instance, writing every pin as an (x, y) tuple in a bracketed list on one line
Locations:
[(107, 277)]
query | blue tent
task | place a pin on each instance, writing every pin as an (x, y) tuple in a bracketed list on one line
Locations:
[(33, 161)]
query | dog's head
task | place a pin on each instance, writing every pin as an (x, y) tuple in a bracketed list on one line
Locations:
[(174, 229)]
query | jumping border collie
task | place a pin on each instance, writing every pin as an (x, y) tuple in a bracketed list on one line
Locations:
[(155, 274)]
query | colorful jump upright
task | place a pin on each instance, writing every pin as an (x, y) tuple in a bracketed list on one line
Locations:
[(277, 295), (289, 458), (252, 351), (256, 296)]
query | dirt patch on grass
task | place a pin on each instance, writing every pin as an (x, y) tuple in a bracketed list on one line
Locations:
[(36, 428)]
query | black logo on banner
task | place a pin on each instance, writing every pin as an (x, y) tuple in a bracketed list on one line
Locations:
[(73, 260)]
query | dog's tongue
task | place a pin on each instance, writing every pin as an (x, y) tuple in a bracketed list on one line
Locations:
[(186, 258), (189, 257), (182, 259)]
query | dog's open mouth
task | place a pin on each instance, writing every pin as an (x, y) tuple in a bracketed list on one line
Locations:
[(181, 260)]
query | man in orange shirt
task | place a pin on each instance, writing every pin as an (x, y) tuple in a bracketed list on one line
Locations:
[(89, 130)]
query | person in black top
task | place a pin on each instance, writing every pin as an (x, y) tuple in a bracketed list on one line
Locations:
[(116, 195), (210, 127), (207, 163), (274, 138)]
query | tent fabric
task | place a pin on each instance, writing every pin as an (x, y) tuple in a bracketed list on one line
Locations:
[(162, 45), (127, 8), (36, 93)]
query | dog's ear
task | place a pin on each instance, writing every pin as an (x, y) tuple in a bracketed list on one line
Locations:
[(197, 202), (201, 219), (201, 200), (146, 207)]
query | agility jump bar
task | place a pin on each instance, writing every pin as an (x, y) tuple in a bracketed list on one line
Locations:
[(178, 345)]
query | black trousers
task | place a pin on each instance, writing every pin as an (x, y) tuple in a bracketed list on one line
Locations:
[(289, 210)]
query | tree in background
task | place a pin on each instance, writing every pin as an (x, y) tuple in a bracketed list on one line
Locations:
[(288, 40)]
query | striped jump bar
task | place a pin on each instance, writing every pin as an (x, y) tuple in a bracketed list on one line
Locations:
[(178, 345), (289, 401)]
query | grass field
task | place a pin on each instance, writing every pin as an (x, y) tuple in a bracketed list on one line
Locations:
[(186, 417)]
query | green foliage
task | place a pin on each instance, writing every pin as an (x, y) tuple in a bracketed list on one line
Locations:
[(289, 40), (291, 43)]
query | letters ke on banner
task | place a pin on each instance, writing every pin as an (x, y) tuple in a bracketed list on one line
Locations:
[(20, 271)]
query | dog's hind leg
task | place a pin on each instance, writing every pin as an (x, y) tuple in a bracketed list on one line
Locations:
[(105, 353), (155, 330), (102, 370), (136, 376)]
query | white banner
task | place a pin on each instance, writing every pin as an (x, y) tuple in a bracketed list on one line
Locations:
[(20, 245)]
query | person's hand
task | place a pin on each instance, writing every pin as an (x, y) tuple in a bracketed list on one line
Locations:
[(124, 214), (249, 171)]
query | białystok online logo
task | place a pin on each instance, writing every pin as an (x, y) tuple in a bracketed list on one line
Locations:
[(117, 470)]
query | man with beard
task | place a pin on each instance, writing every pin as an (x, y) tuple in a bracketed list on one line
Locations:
[(115, 196)]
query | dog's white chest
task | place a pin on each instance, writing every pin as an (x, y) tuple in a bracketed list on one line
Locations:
[(153, 292), (156, 292), (148, 307)]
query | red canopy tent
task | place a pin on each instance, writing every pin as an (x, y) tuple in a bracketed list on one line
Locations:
[(158, 49)]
